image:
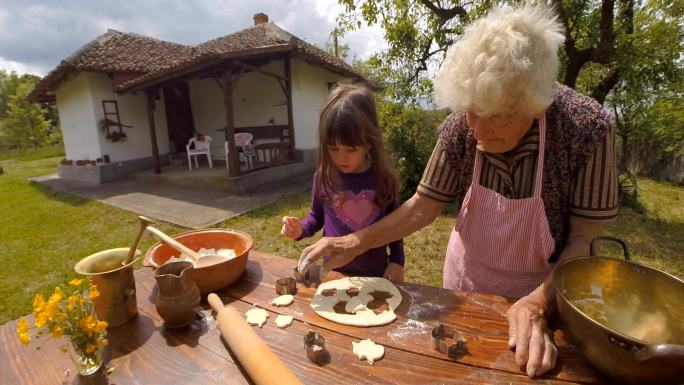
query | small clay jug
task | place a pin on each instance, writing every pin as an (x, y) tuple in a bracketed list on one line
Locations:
[(178, 296)]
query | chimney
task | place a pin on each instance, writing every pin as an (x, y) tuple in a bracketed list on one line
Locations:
[(260, 18)]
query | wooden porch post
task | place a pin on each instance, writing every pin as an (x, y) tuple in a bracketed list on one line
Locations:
[(227, 86), (152, 96), (290, 124)]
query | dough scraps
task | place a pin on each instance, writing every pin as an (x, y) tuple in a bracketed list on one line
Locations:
[(356, 301), (369, 350), (283, 300), (256, 316), (283, 321)]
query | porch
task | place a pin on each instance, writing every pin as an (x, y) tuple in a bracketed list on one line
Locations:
[(263, 177)]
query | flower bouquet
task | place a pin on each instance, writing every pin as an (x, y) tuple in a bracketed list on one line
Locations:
[(69, 312)]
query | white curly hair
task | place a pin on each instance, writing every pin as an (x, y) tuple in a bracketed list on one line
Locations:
[(505, 63)]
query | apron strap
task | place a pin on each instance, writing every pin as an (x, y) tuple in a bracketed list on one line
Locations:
[(540, 158)]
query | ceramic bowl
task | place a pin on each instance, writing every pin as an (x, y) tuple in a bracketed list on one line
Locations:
[(213, 277)]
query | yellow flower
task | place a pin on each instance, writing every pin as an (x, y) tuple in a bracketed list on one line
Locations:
[(38, 303), (67, 313), (100, 326), (22, 331), (22, 326), (56, 296), (57, 332), (41, 319), (25, 338), (93, 292)]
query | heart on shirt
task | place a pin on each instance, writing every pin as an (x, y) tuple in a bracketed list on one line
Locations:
[(357, 210)]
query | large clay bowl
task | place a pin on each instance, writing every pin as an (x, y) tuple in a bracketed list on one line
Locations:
[(213, 277)]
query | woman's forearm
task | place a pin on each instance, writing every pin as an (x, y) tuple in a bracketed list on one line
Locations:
[(581, 233), (416, 213)]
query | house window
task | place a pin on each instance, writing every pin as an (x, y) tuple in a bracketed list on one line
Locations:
[(111, 123)]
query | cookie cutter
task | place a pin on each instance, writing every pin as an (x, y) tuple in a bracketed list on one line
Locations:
[(447, 340), (286, 286), (314, 344), (302, 278)]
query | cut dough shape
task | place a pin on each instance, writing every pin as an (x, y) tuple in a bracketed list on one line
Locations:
[(324, 306), (283, 300), (283, 321), (369, 350), (358, 303), (256, 316)]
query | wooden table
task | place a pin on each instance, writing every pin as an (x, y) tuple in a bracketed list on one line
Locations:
[(145, 352)]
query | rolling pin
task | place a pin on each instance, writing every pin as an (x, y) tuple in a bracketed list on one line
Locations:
[(262, 365)]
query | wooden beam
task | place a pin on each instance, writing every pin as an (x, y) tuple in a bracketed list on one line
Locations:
[(151, 95), (227, 86), (288, 95), (259, 70)]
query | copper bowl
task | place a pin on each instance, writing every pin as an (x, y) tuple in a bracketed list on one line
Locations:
[(213, 277), (625, 318)]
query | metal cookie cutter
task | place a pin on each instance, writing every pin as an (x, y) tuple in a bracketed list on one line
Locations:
[(286, 286), (305, 278), (449, 341), (314, 344)]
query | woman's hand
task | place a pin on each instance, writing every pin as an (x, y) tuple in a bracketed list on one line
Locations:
[(529, 335), (340, 251), (394, 272), (292, 227)]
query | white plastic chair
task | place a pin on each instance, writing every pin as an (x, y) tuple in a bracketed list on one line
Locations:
[(244, 141), (196, 147)]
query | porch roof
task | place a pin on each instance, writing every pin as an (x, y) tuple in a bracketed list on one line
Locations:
[(259, 39), (148, 60)]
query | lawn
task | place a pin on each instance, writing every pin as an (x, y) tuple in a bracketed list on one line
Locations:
[(43, 234)]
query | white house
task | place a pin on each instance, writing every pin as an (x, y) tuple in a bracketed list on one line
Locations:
[(126, 102)]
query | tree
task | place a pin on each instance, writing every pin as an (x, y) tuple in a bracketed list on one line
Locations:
[(22, 124), (335, 48), (420, 31), (627, 54)]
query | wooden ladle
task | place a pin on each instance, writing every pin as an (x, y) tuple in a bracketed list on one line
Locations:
[(199, 261)]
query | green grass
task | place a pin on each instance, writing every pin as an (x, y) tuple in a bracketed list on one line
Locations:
[(43, 234), (25, 154)]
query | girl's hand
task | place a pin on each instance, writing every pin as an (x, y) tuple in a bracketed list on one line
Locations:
[(292, 228), (394, 272)]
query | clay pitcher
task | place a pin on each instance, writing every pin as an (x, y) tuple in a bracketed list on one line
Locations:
[(178, 295)]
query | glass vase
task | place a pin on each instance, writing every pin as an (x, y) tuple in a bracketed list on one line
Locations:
[(86, 364)]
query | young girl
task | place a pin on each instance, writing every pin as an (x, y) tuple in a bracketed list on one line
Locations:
[(355, 184)]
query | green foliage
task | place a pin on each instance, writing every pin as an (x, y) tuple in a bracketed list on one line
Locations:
[(410, 133), (632, 61), (24, 124)]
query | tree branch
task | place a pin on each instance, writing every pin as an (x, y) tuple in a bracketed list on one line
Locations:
[(444, 13)]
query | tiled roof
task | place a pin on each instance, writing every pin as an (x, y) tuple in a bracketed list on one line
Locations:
[(262, 38), (152, 58), (114, 51)]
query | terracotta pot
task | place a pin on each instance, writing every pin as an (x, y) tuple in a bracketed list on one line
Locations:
[(213, 277)]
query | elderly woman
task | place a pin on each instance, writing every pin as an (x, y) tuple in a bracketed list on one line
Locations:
[(529, 161)]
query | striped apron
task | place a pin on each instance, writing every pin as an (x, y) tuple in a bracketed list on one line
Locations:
[(499, 245)]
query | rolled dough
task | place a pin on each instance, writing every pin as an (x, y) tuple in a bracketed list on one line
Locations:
[(256, 316), (283, 300), (324, 306), (283, 321), (369, 350)]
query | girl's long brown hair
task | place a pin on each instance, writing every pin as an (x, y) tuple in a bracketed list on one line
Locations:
[(349, 117)]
